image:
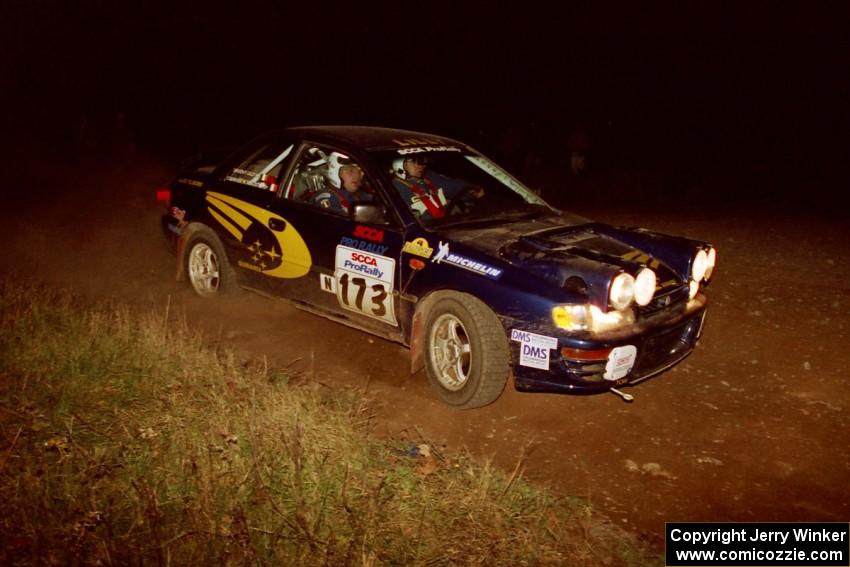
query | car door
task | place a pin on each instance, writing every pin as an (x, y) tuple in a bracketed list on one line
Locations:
[(239, 208), (353, 271)]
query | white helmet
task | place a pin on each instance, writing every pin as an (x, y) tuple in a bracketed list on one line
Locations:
[(398, 167), (336, 161)]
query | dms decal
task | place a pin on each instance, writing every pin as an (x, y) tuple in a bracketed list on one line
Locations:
[(443, 255), (534, 349), (364, 283), (279, 254), (369, 233), (418, 247)]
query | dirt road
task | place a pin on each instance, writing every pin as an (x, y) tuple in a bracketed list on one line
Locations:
[(752, 427)]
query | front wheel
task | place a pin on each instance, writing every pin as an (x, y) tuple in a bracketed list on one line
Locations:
[(466, 353), (206, 264)]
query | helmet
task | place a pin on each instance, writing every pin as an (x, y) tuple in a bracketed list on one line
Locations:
[(398, 163), (398, 167), (335, 162)]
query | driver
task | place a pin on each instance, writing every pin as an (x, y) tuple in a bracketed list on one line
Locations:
[(427, 193), (346, 184)]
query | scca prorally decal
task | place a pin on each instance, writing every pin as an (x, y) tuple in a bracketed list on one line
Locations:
[(418, 247), (423, 149), (369, 233), (364, 283), (444, 255), (282, 254), (371, 247)]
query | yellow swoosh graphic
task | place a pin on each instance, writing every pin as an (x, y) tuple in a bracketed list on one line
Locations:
[(296, 256)]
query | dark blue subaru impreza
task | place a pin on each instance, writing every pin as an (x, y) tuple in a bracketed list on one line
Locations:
[(422, 240)]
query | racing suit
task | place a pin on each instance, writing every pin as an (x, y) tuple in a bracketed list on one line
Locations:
[(428, 196), (340, 199)]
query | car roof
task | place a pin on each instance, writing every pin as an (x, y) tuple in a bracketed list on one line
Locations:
[(369, 137)]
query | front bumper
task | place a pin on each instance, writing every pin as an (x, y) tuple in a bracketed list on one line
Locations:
[(660, 344)]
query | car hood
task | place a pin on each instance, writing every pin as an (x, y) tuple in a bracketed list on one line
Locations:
[(570, 253)]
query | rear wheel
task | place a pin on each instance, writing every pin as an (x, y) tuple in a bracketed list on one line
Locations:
[(206, 264), (466, 353)]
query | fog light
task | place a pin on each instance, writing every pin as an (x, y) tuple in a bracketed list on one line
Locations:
[(693, 289), (712, 259), (644, 286), (571, 317), (699, 265)]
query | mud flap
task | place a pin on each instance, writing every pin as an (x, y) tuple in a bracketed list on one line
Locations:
[(417, 358), (180, 273)]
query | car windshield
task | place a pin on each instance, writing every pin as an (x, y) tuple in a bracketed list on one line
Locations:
[(456, 188)]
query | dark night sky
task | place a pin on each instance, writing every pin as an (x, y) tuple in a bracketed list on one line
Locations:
[(761, 79)]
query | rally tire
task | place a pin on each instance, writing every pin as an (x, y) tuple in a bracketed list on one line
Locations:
[(466, 353), (206, 265)]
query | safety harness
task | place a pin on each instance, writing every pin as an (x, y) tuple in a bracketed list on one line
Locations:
[(431, 198)]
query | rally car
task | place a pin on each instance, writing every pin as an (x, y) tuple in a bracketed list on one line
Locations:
[(423, 240)]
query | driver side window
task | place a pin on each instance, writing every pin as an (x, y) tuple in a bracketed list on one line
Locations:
[(328, 179)]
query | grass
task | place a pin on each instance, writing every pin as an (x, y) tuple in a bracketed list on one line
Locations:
[(126, 439)]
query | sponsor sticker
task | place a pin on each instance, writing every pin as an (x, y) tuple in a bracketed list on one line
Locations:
[(415, 141), (620, 362), (364, 283), (444, 255), (534, 349), (371, 247), (418, 247), (369, 233), (406, 151), (328, 283), (189, 181)]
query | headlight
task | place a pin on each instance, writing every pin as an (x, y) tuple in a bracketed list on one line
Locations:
[(622, 291), (644, 286), (589, 318), (711, 258), (699, 265)]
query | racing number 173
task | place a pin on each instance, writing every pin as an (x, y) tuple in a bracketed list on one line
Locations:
[(378, 295)]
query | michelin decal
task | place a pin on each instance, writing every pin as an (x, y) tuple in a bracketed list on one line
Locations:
[(444, 255)]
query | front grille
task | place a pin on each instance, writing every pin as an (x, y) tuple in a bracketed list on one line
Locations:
[(664, 301), (665, 348)]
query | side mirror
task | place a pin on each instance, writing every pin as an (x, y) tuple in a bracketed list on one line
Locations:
[(369, 213)]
